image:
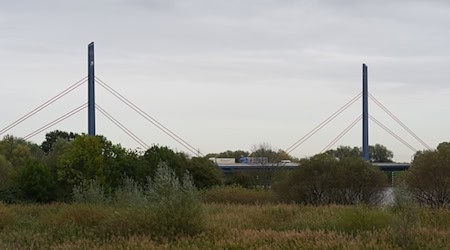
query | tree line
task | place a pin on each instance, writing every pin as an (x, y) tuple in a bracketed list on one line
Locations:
[(50, 171)]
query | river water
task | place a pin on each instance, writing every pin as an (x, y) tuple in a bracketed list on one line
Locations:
[(389, 197)]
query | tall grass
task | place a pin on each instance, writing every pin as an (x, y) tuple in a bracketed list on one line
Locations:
[(238, 195), (226, 226)]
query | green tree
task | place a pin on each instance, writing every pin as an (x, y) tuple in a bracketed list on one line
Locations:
[(8, 191), (343, 152), (83, 161), (380, 153), (35, 182), (17, 151), (52, 137), (428, 178), (119, 163), (204, 173), (155, 155)]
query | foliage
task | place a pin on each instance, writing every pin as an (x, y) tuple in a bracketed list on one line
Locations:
[(35, 182), (229, 154), (90, 191), (6, 177), (204, 173), (429, 177), (240, 178), (377, 153), (52, 137), (18, 152), (265, 150), (83, 161), (170, 206), (380, 153), (323, 179), (343, 152)]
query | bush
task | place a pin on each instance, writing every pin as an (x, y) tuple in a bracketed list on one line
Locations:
[(242, 179), (90, 191), (429, 177), (176, 203), (166, 206), (323, 179)]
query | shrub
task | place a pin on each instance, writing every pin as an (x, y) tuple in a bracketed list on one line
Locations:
[(90, 191), (242, 179), (166, 206), (429, 177), (130, 194), (323, 179), (176, 203)]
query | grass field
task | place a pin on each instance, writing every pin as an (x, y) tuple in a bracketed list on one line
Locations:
[(230, 226)]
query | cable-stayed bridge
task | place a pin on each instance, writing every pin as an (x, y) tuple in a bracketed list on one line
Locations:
[(93, 81)]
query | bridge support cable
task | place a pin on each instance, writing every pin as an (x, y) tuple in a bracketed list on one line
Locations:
[(122, 127), (44, 105), (381, 125), (149, 118), (387, 111), (322, 124), (60, 119), (342, 134)]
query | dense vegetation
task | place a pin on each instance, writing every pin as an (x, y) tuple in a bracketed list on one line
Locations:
[(76, 191), (50, 172)]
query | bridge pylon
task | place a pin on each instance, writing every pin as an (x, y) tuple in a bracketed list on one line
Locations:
[(91, 90), (365, 112)]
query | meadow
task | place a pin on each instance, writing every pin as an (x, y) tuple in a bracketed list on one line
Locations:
[(224, 226)]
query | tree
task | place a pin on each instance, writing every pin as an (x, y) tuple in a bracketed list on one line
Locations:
[(343, 152), (428, 178), (323, 179), (36, 183), (52, 137), (155, 155), (52, 161), (18, 151), (8, 191), (229, 154), (83, 161), (380, 153), (377, 153), (204, 173)]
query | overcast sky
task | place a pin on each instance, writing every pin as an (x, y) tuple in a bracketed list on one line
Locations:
[(226, 75)]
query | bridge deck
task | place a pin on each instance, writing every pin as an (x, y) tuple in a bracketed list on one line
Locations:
[(227, 168)]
